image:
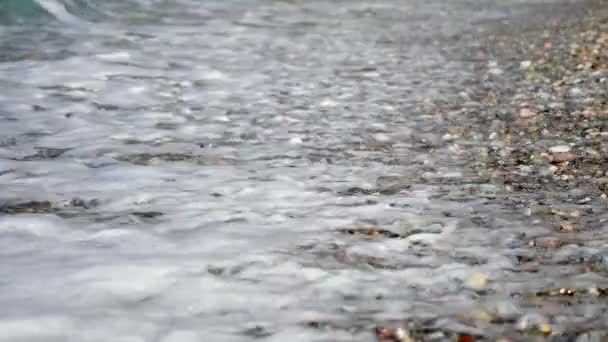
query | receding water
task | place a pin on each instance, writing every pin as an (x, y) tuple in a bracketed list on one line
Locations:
[(234, 170)]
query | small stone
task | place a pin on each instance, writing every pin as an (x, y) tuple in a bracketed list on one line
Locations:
[(483, 316), (295, 141), (584, 200), (477, 281), (559, 149), (403, 335), (496, 71), (493, 68), (547, 242), (328, 103), (526, 113), (566, 292), (531, 322), (576, 91), (381, 137), (465, 338), (506, 310), (601, 181), (525, 65), (562, 157), (567, 227), (544, 328)]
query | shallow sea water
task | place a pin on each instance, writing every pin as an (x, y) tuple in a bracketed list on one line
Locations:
[(197, 171)]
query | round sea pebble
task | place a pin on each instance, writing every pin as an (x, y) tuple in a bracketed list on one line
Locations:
[(559, 149), (526, 113)]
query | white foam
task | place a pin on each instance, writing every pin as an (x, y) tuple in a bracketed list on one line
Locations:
[(123, 282), (36, 329), (37, 225)]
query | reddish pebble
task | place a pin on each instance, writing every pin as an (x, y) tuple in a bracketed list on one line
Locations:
[(465, 338), (547, 242), (561, 157)]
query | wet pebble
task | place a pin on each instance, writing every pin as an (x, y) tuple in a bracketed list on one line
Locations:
[(545, 242), (477, 282), (526, 113), (559, 149), (328, 103), (562, 157), (506, 310), (398, 334), (533, 322), (576, 92), (567, 226)]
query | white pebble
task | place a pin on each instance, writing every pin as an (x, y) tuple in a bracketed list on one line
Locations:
[(296, 141), (559, 149)]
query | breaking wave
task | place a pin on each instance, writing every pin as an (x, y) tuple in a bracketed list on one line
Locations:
[(16, 12)]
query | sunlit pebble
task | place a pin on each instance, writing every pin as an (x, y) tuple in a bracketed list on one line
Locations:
[(576, 92), (328, 103), (526, 113), (545, 328), (296, 141), (381, 137), (559, 149), (533, 322), (495, 71), (483, 316), (396, 335), (402, 335), (525, 64), (477, 281), (221, 119), (383, 334), (456, 149), (448, 137), (567, 226)]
